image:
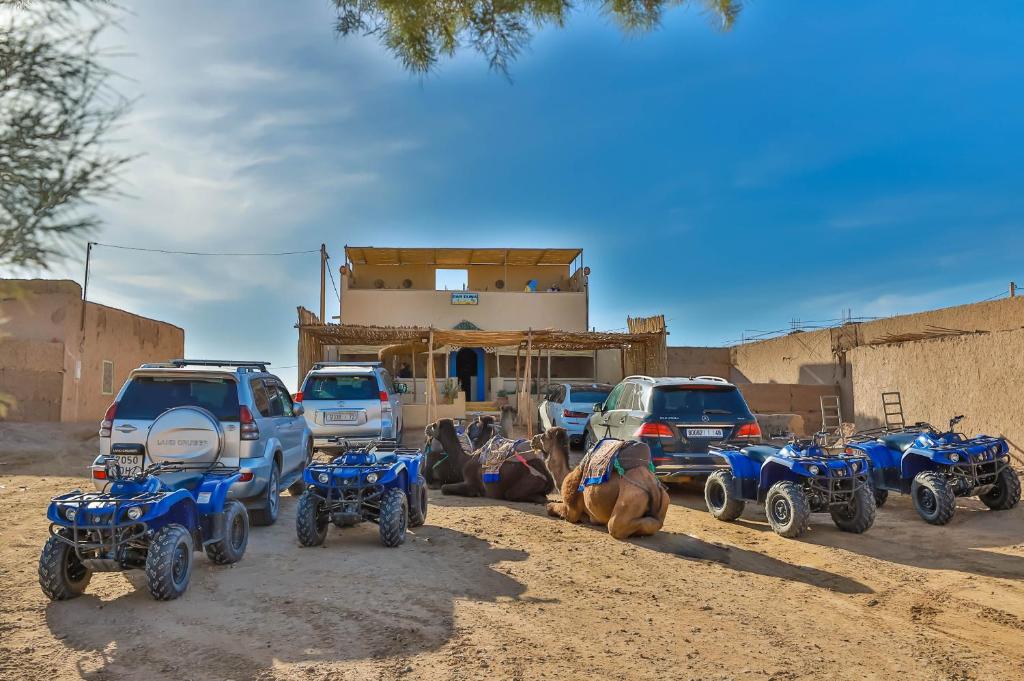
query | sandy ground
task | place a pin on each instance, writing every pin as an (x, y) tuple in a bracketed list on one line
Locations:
[(498, 590)]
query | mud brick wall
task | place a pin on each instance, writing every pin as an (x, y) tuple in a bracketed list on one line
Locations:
[(980, 376), (694, 361)]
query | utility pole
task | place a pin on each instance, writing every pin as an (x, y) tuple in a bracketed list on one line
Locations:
[(85, 282), (1013, 289), (323, 283)]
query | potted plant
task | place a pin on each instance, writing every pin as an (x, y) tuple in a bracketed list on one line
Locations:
[(449, 391), (502, 399)]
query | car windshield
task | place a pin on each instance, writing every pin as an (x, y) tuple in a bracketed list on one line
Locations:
[(326, 387), (146, 397), (587, 395), (693, 402)]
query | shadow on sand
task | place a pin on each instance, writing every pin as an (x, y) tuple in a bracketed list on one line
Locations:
[(351, 600)]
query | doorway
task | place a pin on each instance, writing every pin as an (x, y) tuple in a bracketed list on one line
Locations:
[(467, 364)]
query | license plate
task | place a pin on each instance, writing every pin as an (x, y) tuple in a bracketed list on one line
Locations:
[(340, 416), (704, 432), (128, 463)]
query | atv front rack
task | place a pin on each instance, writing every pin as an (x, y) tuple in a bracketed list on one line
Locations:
[(110, 532)]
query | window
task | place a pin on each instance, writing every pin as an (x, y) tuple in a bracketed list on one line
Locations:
[(630, 397), (451, 280), (587, 396), (613, 398), (286, 398), (339, 387), (276, 399), (260, 397), (146, 397), (107, 380), (693, 402), (389, 385)]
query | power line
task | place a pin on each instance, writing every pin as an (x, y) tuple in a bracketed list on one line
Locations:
[(204, 253), (335, 286)]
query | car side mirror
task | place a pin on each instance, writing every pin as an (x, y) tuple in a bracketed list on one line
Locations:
[(298, 410), (598, 407), (401, 388)]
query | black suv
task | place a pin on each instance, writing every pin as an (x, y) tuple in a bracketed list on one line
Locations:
[(679, 418)]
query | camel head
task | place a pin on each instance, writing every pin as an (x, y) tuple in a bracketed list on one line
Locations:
[(508, 420), (442, 436), (482, 430), (554, 444)]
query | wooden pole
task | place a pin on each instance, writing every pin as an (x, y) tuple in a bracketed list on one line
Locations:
[(519, 349), (430, 378), (527, 380), (323, 283), (1013, 289), (414, 399)]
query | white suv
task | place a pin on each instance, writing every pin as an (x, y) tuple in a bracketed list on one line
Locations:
[(351, 403), (237, 412)]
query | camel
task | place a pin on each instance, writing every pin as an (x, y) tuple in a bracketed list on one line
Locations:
[(554, 444), (512, 470), (614, 486), (481, 430), (446, 454)]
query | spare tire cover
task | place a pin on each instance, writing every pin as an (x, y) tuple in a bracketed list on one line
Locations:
[(185, 434)]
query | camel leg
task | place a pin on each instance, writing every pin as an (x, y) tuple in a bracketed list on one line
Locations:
[(629, 517), (461, 489), (622, 527)]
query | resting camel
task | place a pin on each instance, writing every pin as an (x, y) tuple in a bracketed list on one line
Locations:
[(614, 486), (554, 444), (513, 470), (447, 453), (481, 430)]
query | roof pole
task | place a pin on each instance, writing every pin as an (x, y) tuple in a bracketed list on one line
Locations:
[(323, 283)]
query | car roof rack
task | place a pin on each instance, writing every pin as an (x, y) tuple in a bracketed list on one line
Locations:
[(325, 365), (714, 379), (242, 364)]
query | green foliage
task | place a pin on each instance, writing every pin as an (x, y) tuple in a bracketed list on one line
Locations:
[(57, 111), (419, 32)]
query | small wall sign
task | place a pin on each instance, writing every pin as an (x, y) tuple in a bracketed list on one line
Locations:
[(465, 298)]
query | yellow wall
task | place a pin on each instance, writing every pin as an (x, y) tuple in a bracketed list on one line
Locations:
[(480, 277)]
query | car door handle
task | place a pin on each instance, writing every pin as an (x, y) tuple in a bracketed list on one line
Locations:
[(127, 428)]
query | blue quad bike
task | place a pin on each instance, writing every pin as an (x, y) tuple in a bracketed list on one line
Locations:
[(381, 483), (792, 482), (151, 520), (936, 467)]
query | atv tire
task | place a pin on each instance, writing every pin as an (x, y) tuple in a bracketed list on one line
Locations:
[(859, 515), (272, 500), (1006, 494), (61, 574), (310, 520), (169, 562), (231, 548), (418, 502), (718, 496), (299, 487), (933, 498), (787, 509), (394, 517)]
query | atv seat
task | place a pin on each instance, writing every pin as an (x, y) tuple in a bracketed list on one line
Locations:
[(187, 480), (898, 441), (759, 453)]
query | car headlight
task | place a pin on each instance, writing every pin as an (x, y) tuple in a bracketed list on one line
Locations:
[(371, 478), (815, 470), (954, 457), (323, 478), (134, 513), (70, 514)]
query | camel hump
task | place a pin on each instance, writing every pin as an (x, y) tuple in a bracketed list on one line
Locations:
[(612, 454), (497, 451)]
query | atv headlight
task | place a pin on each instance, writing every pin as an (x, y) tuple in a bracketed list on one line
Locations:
[(70, 514), (323, 478), (855, 466), (814, 469), (371, 478), (954, 457), (134, 513)]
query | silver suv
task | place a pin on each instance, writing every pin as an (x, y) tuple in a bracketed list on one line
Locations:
[(351, 403), (188, 408)]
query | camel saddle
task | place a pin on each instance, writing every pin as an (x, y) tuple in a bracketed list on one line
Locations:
[(611, 454), (497, 451)]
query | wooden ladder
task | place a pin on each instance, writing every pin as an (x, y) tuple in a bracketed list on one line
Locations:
[(892, 408), (832, 417)]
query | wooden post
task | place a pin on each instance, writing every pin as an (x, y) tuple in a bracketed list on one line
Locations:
[(595, 366), (430, 379), (1013, 289), (527, 388), (519, 349), (549, 365), (414, 400), (323, 283)]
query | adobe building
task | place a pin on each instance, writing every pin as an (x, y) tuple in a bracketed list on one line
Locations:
[(62, 359), (502, 288)]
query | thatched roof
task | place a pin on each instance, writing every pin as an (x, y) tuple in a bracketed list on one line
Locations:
[(460, 257)]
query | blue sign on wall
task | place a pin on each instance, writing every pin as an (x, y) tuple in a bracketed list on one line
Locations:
[(465, 298)]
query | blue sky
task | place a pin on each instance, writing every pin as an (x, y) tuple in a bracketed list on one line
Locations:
[(821, 156)]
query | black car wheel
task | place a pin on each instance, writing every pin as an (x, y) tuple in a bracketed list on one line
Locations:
[(311, 520), (272, 502), (718, 495), (231, 548), (933, 498), (787, 509), (169, 562), (394, 518), (418, 502), (857, 516), (1006, 493), (61, 574)]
